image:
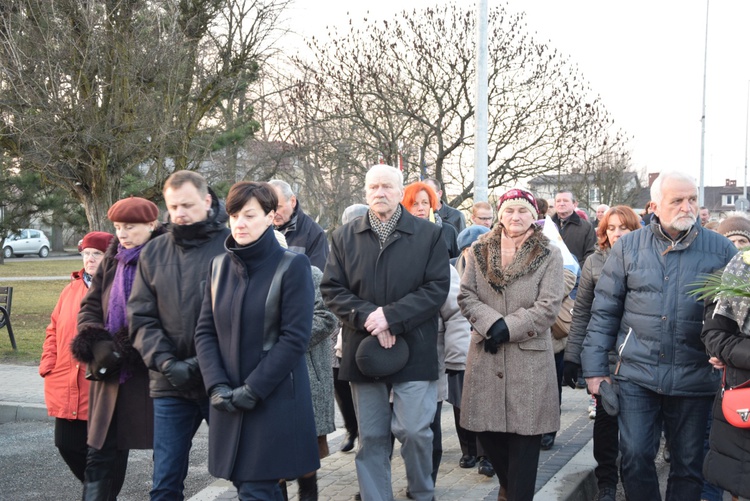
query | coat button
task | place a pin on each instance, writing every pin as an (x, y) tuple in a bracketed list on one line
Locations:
[(74, 413), (500, 375), (663, 318), (530, 333), (473, 320)]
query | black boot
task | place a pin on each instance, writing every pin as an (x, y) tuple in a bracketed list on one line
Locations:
[(348, 443), (97, 490), (308, 488)]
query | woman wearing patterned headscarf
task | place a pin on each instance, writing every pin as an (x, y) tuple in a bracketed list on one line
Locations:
[(511, 292)]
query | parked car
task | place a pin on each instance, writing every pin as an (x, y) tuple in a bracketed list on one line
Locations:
[(27, 241)]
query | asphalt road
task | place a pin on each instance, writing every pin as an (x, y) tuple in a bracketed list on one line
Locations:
[(32, 469)]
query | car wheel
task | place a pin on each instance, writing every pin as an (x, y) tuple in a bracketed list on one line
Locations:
[(7, 252), (43, 252)]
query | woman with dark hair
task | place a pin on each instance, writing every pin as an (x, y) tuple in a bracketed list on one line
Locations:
[(616, 222), (121, 414), (422, 201), (251, 341), (511, 292)]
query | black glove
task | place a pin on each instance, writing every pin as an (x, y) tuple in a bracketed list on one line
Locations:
[(106, 361), (497, 335), (182, 374), (570, 374), (243, 398), (221, 398)]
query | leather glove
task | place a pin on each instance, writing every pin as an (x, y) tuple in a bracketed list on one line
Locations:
[(243, 398), (497, 335), (221, 398), (570, 374), (106, 361), (182, 374)]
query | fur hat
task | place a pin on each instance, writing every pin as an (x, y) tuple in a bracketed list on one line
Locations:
[(735, 225), (469, 235), (133, 210), (98, 240), (375, 361), (517, 196)]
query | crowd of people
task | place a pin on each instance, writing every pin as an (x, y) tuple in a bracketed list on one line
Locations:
[(242, 314)]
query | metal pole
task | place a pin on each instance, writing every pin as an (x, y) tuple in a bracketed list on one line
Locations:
[(480, 133), (747, 119), (703, 117)]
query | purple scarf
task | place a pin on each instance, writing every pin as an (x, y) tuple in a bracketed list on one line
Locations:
[(117, 313)]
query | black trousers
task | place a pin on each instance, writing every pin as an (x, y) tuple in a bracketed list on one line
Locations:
[(70, 440), (343, 393), (108, 463), (515, 459), (606, 446)]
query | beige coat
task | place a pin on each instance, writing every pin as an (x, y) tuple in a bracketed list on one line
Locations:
[(515, 390)]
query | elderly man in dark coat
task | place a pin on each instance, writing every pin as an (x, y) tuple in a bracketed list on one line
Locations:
[(387, 276)]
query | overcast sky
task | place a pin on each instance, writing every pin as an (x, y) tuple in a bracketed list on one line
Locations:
[(643, 57)]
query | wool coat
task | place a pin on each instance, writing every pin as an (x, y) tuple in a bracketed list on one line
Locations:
[(66, 389), (409, 277), (727, 463), (578, 234), (129, 400), (514, 390), (305, 236), (276, 439), (319, 361)]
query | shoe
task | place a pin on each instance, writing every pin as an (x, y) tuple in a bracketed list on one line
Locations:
[(358, 497), (606, 494), (348, 443), (485, 467), (592, 408), (308, 488), (548, 440), (467, 461), (581, 383)]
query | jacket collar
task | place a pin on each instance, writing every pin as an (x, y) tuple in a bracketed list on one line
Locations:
[(682, 241), (406, 224)]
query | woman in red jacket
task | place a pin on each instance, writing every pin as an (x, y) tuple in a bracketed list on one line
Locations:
[(66, 391)]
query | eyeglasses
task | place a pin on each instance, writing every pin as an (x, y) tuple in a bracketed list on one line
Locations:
[(95, 255)]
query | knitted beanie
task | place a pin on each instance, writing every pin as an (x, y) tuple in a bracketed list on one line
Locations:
[(735, 225), (517, 196)]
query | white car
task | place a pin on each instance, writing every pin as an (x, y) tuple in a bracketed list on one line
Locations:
[(27, 241)]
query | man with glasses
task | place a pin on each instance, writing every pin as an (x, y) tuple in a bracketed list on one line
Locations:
[(482, 214)]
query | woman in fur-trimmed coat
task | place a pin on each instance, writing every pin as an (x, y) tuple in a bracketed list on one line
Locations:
[(120, 408), (511, 292)]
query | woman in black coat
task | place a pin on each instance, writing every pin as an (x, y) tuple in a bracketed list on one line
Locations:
[(726, 334), (251, 340), (120, 409)]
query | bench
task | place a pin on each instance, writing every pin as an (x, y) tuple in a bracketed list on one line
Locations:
[(6, 300)]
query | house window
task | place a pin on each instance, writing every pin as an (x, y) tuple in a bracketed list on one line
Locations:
[(594, 195), (729, 199)]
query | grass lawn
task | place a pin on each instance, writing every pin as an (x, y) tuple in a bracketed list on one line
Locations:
[(35, 267), (33, 302)]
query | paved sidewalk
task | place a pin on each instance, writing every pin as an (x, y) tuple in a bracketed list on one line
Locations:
[(565, 472)]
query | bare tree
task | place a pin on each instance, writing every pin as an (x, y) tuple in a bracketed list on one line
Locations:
[(91, 90), (410, 81)]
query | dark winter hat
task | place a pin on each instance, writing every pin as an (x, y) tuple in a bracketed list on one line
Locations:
[(517, 196), (469, 235), (735, 225), (133, 210), (375, 361), (98, 240)]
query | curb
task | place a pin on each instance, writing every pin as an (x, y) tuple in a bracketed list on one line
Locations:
[(575, 481), (23, 411)]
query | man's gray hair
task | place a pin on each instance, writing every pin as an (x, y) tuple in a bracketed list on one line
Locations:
[(397, 174), (572, 196), (283, 186), (656, 192), (353, 212)]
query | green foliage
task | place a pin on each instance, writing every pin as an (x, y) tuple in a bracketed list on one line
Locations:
[(718, 285)]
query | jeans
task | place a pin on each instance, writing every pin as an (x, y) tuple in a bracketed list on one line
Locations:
[(684, 418), (175, 422), (268, 490)]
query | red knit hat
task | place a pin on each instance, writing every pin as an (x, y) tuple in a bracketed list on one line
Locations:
[(133, 210), (517, 196), (98, 240)]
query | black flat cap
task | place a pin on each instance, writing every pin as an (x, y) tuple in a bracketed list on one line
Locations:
[(375, 361)]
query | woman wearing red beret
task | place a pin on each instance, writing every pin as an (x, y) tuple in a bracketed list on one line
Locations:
[(66, 391), (120, 409)]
